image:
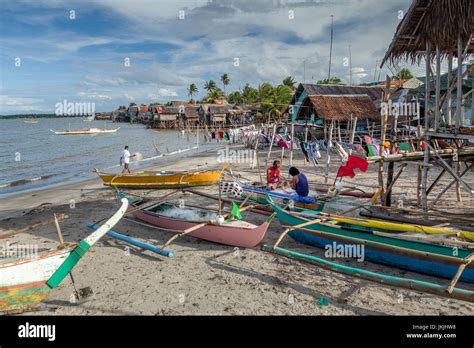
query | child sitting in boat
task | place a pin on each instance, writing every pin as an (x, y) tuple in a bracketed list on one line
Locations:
[(298, 182), (273, 175)]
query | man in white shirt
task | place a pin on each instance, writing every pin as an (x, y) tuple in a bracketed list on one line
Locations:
[(125, 160)]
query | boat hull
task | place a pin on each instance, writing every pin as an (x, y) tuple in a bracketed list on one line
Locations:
[(233, 236), (166, 181), (85, 132), (23, 280), (424, 264)]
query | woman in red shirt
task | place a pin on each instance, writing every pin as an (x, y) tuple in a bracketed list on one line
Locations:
[(273, 175)]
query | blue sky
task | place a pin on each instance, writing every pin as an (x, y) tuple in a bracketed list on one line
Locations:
[(82, 59)]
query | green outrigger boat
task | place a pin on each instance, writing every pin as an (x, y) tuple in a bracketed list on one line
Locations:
[(423, 257)]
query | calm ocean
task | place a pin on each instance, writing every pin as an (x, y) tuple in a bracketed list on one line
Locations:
[(33, 157)]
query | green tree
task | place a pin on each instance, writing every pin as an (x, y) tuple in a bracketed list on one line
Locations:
[(249, 94), (225, 81), (235, 97), (405, 74), (192, 90), (209, 86), (290, 82)]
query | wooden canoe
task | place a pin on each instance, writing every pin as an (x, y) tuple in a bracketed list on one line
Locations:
[(26, 281), (162, 179), (234, 233), (422, 257)]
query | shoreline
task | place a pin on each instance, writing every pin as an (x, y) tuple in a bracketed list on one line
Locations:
[(54, 193)]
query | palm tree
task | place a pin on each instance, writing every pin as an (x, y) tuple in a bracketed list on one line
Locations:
[(405, 74), (290, 82), (210, 85), (225, 81), (192, 90)]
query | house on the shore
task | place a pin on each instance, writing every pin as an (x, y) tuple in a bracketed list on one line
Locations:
[(213, 115), (164, 116), (190, 116), (120, 115), (241, 114)]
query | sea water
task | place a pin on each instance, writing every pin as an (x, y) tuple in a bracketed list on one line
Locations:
[(33, 157)]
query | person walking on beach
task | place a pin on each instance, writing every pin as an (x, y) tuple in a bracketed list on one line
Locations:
[(299, 182), (125, 160), (273, 175)]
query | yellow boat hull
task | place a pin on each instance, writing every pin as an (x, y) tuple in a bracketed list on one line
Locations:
[(158, 180), (398, 227)]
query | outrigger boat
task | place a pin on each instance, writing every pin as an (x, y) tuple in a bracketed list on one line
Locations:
[(435, 259), (85, 131), (25, 282), (200, 223), (162, 179), (314, 201)]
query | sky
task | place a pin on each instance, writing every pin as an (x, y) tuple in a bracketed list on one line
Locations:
[(114, 52)]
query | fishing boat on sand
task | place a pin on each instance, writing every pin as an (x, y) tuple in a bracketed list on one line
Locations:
[(314, 201), (201, 223), (435, 259), (162, 179), (85, 131), (26, 281)]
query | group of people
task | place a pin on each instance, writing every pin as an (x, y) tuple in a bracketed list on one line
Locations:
[(298, 181)]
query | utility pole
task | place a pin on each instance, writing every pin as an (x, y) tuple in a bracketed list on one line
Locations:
[(330, 50), (375, 71), (304, 71), (350, 66)]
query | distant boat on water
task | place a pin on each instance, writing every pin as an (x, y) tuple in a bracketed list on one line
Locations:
[(85, 131), (89, 118), (30, 121)]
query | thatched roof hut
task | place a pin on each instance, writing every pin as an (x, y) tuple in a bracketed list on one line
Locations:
[(339, 107), (437, 22)]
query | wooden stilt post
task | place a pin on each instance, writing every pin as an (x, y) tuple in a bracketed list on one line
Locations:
[(306, 140), (328, 157), (438, 87), (418, 184), (448, 83), (292, 142), (271, 144), (426, 159), (283, 148), (384, 120), (459, 83)]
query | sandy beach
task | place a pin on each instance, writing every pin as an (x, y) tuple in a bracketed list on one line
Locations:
[(206, 278)]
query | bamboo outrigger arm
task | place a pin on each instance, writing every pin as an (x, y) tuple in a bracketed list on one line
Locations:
[(412, 284)]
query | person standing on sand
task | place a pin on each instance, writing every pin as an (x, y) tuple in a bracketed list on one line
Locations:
[(125, 160)]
